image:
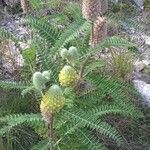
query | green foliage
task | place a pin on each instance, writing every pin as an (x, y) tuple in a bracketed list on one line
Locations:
[(12, 121), (71, 33), (39, 4), (121, 63), (29, 55), (147, 4), (124, 8), (90, 140), (81, 120), (110, 42), (44, 29), (128, 23), (85, 112), (42, 145), (13, 85), (4, 34)]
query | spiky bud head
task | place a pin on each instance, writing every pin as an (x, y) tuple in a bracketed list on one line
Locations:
[(99, 31), (91, 9), (38, 81), (46, 75), (73, 55), (64, 53), (67, 76), (73, 52)]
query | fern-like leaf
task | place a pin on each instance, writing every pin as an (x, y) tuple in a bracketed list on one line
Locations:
[(4, 34), (110, 42), (42, 145), (71, 33), (94, 124), (12, 121), (44, 29), (90, 141), (13, 85)]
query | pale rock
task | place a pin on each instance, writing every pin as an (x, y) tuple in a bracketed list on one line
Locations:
[(147, 39), (24, 46), (139, 3), (141, 76), (146, 62), (140, 65), (12, 58), (11, 2), (143, 88)]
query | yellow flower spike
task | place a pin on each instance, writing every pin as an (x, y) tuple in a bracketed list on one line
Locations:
[(67, 76), (52, 102)]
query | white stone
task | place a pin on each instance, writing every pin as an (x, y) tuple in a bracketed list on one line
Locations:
[(147, 39), (146, 62), (143, 88), (139, 3), (24, 46), (139, 66)]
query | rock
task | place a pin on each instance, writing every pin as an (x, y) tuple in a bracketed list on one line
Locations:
[(11, 2), (146, 54), (11, 58), (141, 76), (139, 3), (140, 65), (147, 39), (24, 46), (143, 88), (146, 62)]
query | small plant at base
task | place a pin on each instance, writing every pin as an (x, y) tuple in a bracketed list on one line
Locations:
[(122, 64)]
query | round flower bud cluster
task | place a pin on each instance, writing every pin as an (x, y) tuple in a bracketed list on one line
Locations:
[(70, 55), (40, 79)]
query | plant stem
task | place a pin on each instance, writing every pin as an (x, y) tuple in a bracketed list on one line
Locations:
[(88, 57), (51, 140), (92, 35), (83, 66)]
